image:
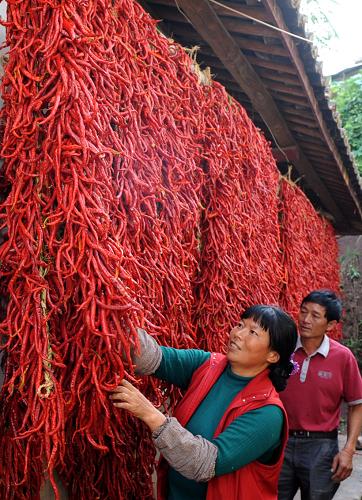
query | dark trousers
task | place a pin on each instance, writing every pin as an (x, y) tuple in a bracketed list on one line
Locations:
[(307, 465)]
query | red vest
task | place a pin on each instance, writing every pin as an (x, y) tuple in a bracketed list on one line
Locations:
[(254, 481)]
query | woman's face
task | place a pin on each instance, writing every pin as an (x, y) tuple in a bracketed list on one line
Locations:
[(249, 349)]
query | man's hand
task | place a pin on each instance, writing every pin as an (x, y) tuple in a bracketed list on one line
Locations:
[(342, 465), (127, 397)]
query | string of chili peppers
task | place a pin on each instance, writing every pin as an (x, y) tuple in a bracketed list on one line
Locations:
[(310, 250), (136, 196)]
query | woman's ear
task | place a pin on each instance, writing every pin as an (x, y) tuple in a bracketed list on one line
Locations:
[(331, 325), (273, 357)]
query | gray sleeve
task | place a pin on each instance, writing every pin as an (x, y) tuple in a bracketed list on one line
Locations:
[(149, 357), (192, 456)]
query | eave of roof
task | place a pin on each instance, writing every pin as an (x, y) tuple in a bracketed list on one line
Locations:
[(280, 83)]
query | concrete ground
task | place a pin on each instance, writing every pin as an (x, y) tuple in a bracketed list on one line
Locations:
[(351, 488)]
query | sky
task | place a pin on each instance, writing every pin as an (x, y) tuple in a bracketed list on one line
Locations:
[(346, 18)]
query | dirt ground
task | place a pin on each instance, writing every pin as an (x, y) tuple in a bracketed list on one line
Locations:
[(351, 488)]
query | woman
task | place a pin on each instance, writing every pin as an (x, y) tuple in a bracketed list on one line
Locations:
[(228, 433)]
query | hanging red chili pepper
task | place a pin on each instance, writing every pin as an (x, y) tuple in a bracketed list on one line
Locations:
[(310, 250), (135, 196)]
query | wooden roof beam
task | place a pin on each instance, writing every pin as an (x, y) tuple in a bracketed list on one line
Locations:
[(295, 110), (248, 28), (305, 130), (232, 24), (269, 63), (279, 77), (283, 88), (294, 99), (214, 62), (209, 26), (257, 11), (287, 154), (300, 120), (187, 35), (275, 11)]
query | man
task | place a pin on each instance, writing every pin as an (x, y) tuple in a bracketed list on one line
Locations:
[(328, 374)]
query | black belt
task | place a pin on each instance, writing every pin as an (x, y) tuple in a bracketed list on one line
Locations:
[(314, 434)]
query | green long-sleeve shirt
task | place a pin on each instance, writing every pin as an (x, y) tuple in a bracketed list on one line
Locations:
[(254, 435)]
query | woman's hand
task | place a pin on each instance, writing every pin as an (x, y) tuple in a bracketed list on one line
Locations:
[(127, 397)]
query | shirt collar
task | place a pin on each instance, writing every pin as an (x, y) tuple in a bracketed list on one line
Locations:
[(323, 349)]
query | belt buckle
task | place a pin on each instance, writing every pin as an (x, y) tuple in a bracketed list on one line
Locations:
[(301, 434)]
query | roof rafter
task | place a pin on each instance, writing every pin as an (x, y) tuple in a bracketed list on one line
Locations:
[(207, 23), (274, 10)]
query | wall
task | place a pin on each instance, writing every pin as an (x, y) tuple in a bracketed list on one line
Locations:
[(350, 248)]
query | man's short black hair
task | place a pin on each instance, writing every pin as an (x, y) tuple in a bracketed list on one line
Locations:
[(327, 299)]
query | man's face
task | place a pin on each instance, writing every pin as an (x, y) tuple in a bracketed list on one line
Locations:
[(313, 321)]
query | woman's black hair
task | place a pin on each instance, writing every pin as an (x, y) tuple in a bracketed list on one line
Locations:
[(283, 338)]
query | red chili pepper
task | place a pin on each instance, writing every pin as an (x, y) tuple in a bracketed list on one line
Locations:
[(130, 195), (304, 229)]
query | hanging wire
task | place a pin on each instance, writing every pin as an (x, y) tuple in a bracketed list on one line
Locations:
[(242, 14)]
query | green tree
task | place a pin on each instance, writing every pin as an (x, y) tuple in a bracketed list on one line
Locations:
[(347, 93), (348, 97), (318, 21)]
